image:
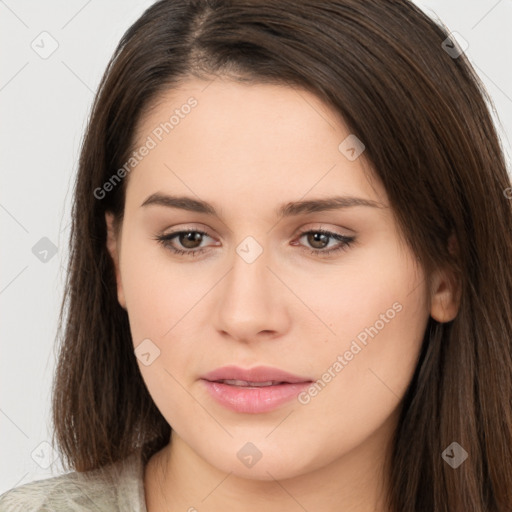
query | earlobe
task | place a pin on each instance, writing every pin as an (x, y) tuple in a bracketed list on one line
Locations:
[(444, 305), (445, 290), (113, 247)]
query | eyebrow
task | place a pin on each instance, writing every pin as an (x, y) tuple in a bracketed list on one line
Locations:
[(285, 210)]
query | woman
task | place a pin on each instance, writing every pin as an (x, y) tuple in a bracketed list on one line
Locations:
[(289, 282)]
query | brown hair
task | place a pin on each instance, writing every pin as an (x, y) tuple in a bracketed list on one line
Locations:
[(425, 119)]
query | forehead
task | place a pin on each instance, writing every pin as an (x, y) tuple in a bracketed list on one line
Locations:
[(246, 141)]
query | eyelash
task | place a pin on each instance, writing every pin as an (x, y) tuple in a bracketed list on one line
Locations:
[(346, 242)]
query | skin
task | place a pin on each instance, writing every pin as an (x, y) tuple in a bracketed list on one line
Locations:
[(247, 149)]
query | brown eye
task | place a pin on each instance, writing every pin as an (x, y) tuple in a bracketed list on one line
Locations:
[(184, 242), (318, 240), (190, 239)]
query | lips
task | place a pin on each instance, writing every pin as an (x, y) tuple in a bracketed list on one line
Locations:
[(260, 375), (255, 390)]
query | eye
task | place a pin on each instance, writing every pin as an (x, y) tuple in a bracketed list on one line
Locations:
[(189, 239), (319, 239)]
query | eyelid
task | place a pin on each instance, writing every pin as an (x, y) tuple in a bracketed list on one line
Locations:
[(196, 229), (340, 231), (186, 227)]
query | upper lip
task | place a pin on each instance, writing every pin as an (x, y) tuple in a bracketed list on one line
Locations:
[(256, 374)]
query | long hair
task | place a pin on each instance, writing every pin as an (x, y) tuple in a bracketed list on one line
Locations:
[(425, 119)]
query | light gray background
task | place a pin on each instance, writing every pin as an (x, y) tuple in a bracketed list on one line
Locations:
[(44, 103)]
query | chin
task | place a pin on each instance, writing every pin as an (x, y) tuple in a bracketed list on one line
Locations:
[(266, 463)]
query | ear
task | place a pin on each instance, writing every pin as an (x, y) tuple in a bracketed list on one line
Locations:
[(114, 247), (445, 290)]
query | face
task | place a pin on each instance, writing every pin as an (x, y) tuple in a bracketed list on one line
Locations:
[(331, 296)]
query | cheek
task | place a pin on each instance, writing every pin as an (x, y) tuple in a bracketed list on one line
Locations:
[(362, 383), (379, 314), (159, 297), (158, 293), (161, 300), (378, 285), (367, 367)]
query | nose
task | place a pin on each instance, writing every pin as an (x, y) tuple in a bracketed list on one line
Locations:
[(251, 301)]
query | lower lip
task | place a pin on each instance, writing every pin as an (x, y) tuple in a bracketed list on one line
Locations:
[(254, 400)]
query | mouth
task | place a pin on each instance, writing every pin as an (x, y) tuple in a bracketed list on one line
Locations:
[(247, 384), (255, 390), (259, 375)]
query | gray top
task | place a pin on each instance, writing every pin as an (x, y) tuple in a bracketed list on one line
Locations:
[(117, 487)]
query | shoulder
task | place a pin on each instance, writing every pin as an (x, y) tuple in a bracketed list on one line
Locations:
[(64, 492), (111, 488)]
